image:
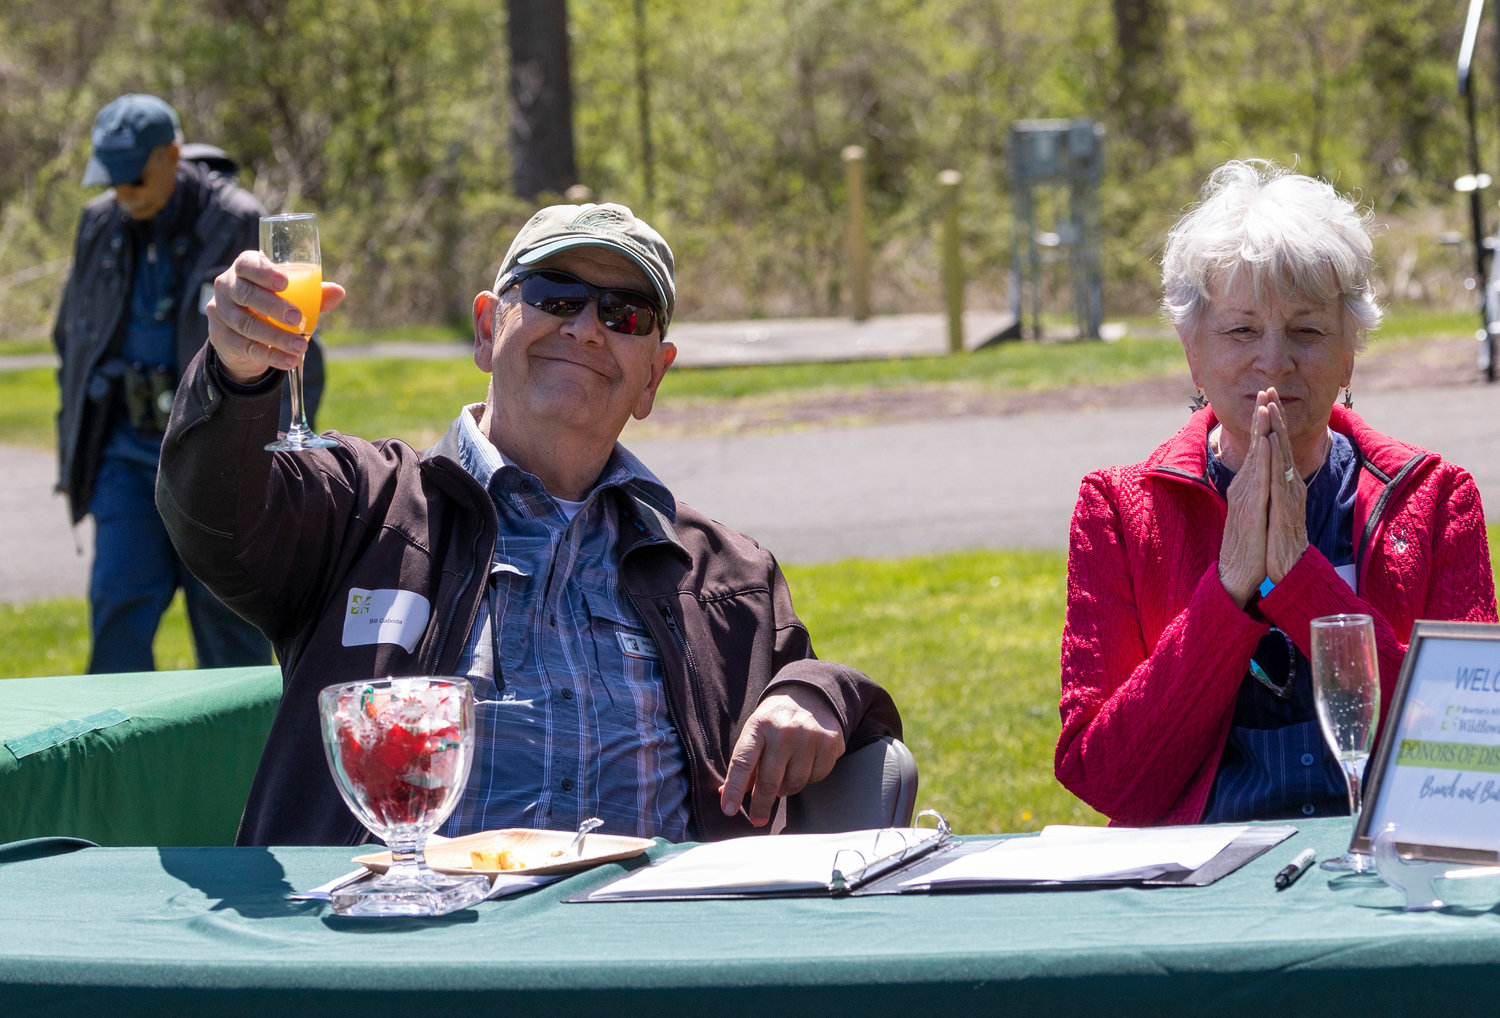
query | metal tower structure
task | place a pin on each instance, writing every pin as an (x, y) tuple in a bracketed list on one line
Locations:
[(1055, 168)]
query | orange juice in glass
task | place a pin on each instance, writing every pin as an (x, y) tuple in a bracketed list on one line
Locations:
[(291, 241), (304, 288)]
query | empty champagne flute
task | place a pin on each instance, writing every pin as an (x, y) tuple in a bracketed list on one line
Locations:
[(1346, 692), (291, 241)]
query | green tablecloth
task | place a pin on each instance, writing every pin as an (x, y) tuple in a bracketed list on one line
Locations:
[(154, 931), (151, 758)]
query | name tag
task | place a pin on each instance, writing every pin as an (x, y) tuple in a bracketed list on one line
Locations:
[(632, 645), (385, 616)]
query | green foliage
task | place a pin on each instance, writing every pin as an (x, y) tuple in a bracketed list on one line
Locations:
[(389, 118)]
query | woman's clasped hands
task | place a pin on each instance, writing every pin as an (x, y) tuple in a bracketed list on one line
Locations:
[(1265, 530)]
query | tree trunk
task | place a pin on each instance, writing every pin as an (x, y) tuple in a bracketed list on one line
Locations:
[(1147, 88), (541, 98)]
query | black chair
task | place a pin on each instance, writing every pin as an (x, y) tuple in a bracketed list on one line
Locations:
[(871, 788)]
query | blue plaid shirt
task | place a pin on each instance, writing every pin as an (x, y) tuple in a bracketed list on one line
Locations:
[(573, 723)]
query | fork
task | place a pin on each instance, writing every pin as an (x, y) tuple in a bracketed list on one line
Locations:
[(576, 848)]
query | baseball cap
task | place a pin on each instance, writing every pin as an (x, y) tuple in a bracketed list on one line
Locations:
[(562, 227), (125, 132)]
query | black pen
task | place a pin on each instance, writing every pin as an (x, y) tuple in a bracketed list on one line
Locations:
[(1294, 869)]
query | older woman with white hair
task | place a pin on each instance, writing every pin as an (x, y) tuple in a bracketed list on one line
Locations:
[(1193, 576)]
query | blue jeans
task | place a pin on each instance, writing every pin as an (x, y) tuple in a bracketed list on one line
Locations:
[(135, 575)]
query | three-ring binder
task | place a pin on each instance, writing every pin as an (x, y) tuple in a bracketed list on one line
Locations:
[(833, 864), (845, 878)]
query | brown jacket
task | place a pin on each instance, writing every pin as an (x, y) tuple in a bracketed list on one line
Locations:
[(283, 539)]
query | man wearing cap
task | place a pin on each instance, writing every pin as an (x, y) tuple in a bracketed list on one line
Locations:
[(131, 317), (632, 659)]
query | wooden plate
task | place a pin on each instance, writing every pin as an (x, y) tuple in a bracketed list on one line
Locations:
[(534, 848)]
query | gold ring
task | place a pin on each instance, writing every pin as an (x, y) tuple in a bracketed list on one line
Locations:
[(1290, 475)]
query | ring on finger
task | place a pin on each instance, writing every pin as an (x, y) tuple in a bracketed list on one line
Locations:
[(1290, 475)]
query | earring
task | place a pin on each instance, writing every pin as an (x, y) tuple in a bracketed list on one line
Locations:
[(1348, 397), (1199, 401)]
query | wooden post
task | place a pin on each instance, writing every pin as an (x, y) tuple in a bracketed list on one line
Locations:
[(643, 108), (859, 248), (953, 269)]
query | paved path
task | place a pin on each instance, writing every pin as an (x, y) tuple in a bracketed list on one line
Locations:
[(880, 491), (1000, 482), (39, 554)]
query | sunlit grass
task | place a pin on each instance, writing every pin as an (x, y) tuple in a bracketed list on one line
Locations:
[(52, 638), (334, 337), (28, 407), (967, 643), (414, 400), (1403, 323)]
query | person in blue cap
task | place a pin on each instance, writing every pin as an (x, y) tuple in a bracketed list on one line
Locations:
[(130, 320)]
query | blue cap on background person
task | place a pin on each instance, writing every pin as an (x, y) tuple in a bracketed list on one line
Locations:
[(125, 132)]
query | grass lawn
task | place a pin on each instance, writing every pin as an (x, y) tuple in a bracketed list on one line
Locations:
[(966, 642)]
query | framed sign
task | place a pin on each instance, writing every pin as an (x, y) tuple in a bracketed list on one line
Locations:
[(1436, 771)]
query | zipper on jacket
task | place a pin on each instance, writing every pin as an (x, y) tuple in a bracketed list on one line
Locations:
[(1377, 511), (671, 621), (442, 641), (687, 655), (447, 628), (1194, 481), (1182, 475)]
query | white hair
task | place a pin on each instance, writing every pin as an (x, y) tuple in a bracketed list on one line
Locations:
[(1292, 232)]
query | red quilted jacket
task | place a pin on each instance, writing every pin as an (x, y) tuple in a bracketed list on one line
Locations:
[(1154, 649)]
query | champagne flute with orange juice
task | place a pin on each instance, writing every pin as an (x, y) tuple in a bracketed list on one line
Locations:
[(291, 241)]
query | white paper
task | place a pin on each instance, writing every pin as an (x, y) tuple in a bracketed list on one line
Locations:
[(503, 886), (506, 884), (324, 892), (385, 616), (1067, 853), (786, 862), (1441, 784)]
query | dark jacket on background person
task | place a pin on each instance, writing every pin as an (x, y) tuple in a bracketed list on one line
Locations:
[(217, 221), (287, 540)]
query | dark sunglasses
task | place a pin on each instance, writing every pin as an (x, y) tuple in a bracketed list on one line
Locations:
[(564, 295)]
